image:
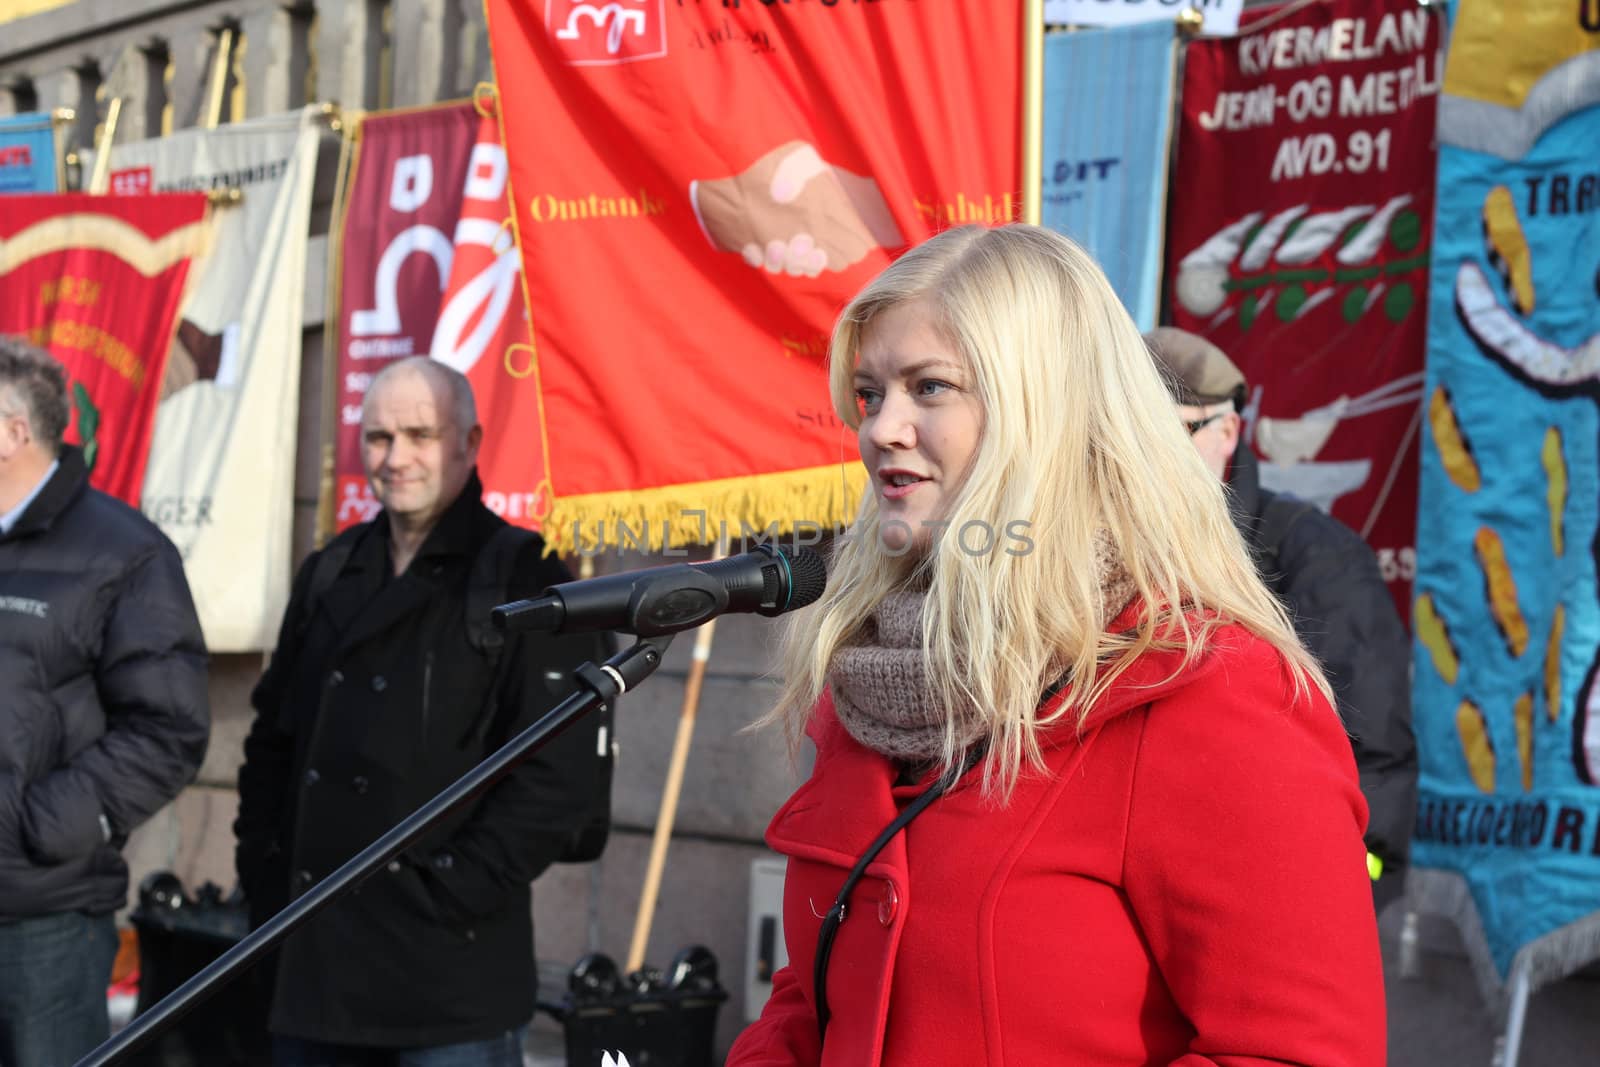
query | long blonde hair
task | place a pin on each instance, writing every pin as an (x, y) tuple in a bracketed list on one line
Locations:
[(1081, 441)]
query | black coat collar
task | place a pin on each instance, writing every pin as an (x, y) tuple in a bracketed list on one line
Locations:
[(1245, 499), (65, 486), (366, 600)]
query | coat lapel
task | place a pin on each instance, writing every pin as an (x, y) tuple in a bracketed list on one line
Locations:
[(394, 601), (835, 816), (364, 601)]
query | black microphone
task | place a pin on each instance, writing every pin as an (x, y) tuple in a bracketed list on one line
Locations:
[(663, 600)]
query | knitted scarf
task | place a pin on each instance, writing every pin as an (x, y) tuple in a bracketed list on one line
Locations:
[(880, 679)]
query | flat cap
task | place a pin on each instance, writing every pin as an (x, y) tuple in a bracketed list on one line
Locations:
[(1197, 372)]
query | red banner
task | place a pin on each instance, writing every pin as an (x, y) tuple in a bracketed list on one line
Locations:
[(429, 267), (699, 188), (1299, 242), (97, 280)]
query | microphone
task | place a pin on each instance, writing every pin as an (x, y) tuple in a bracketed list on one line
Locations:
[(663, 600)]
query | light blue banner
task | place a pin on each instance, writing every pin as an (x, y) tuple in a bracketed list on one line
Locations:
[(1507, 617), (27, 154), (1107, 120)]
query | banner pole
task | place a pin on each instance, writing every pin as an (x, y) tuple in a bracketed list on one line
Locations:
[(348, 126), (1032, 110), (60, 119), (669, 793), (102, 152), (1186, 26), (219, 79)]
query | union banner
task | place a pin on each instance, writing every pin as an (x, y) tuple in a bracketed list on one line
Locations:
[(97, 281), (221, 469), (1506, 690), (698, 189), (1299, 241), (428, 267)]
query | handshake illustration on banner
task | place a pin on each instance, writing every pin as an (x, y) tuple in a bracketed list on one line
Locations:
[(791, 212)]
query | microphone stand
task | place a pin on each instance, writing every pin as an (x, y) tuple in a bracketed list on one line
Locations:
[(600, 685)]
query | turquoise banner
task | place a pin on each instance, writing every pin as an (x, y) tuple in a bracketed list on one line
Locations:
[(27, 154), (1107, 123), (1506, 617)]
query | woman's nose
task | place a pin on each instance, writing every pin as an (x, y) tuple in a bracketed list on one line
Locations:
[(894, 424)]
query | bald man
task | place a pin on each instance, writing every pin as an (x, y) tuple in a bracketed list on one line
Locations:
[(378, 697)]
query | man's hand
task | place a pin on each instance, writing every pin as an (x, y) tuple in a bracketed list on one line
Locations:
[(792, 213)]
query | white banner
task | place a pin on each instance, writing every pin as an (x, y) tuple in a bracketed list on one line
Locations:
[(220, 480), (1222, 16)]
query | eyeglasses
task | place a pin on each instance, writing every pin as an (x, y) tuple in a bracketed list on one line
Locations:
[(1194, 426)]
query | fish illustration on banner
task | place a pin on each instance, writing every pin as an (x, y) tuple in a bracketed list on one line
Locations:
[(1507, 613), (1299, 244)]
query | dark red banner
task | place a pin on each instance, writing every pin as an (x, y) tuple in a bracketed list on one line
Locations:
[(97, 280), (429, 267), (1299, 241), (699, 189)]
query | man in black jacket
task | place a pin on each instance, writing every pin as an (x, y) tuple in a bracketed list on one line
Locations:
[(1328, 579), (103, 719), (377, 698)]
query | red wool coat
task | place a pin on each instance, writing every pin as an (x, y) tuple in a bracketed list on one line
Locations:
[(1187, 886)]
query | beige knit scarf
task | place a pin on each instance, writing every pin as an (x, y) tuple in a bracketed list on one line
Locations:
[(880, 679)]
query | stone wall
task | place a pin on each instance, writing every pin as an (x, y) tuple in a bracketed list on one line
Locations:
[(158, 57)]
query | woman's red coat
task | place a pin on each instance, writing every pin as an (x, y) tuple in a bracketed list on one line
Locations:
[(1187, 885)]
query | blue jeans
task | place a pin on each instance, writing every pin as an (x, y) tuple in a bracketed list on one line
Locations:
[(503, 1050), (53, 988)]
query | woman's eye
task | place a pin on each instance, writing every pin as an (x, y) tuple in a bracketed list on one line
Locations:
[(932, 387), (867, 399)]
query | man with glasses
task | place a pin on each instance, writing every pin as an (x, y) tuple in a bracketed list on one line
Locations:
[(103, 720), (1328, 579)]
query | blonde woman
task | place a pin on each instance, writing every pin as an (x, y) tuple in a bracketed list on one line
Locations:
[(1079, 796)]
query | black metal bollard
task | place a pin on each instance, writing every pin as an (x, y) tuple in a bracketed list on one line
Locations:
[(654, 1018), (178, 936)]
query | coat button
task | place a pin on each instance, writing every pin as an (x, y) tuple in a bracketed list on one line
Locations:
[(888, 904), (312, 777), (359, 783), (336, 679), (302, 878), (443, 861), (379, 683), (394, 867)]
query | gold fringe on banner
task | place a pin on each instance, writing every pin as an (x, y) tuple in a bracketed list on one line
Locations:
[(753, 507)]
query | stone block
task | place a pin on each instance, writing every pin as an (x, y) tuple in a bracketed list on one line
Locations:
[(349, 45), (63, 87), (475, 63), (192, 837), (128, 78), (192, 51), (733, 779), (314, 309), (231, 679), (426, 51), (309, 434), (266, 44)]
